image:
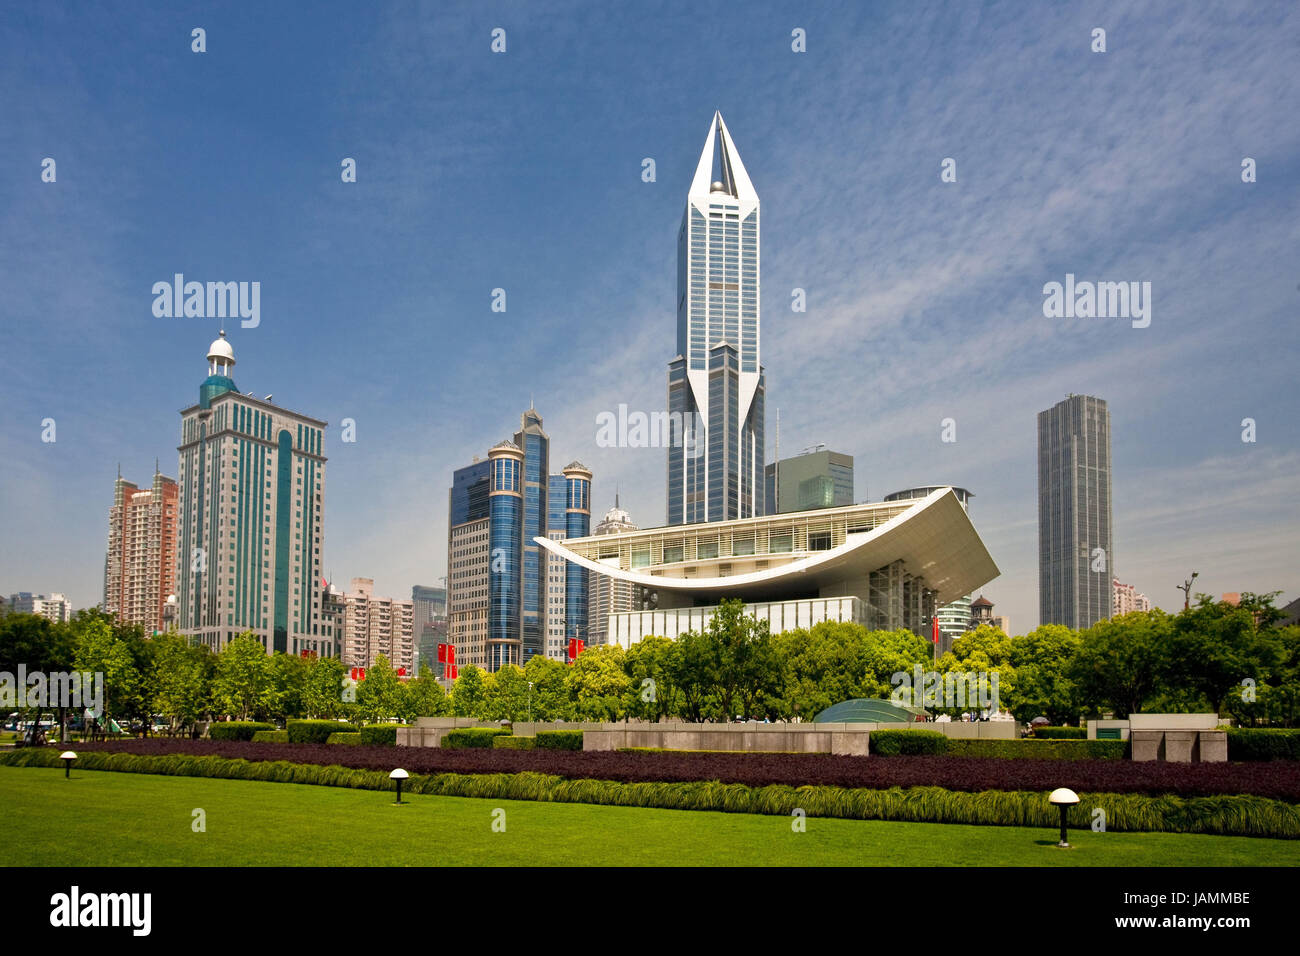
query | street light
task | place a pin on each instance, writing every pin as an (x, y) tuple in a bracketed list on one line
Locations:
[(1063, 798), (67, 757), (398, 775), (530, 702), (1186, 588)]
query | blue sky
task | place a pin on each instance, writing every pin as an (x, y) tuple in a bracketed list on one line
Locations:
[(522, 171)]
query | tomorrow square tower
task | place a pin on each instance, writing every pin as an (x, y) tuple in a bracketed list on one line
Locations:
[(716, 383)]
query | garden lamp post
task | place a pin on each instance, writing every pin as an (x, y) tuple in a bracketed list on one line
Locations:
[(398, 775), (530, 702), (1064, 799), (67, 757)]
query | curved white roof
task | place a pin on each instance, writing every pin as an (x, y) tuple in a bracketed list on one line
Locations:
[(934, 539)]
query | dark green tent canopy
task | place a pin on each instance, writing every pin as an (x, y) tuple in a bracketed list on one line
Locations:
[(863, 710)]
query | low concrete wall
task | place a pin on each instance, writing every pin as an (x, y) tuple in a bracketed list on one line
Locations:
[(850, 739), (1095, 725), (429, 731), (1173, 721)]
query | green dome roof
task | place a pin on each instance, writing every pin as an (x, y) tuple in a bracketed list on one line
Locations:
[(213, 386), (866, 710)]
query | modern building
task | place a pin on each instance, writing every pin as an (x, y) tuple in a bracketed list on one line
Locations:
[(430, 623), (716, 383), (140, 566), (955, 616), (497, 580), (1075, 549), (556, 569), (250, 521), (817, 478), (55, 606), (377, 625), (1126, 599), (885, 565), (609, 596)]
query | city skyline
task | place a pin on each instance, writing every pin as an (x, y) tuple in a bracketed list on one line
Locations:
[(923, 305)]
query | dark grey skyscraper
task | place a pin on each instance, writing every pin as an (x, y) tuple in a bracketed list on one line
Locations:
[(1075, 552)]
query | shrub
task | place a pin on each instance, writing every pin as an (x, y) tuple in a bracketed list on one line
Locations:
[(380, 734), (465, 738), (1263, 744), (1040, 749), (514, 743), (314, 731), (344, 738), (271, 737), (907, 743), (237, 729), (1061, 733), (1237, 815), (559, 740)]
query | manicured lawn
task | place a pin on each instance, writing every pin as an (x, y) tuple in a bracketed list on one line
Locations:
[(119, 819)]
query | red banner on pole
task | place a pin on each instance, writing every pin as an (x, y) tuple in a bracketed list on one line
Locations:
[(935, 632)]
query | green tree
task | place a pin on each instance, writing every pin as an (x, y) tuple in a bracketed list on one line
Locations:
[(652, 693), (323, 688), (425, 697), (598, 685), (181, 680), (381, 696), (1118, 664), (288, 686), (242, 684), (469, 693), (507, 696), (550, 695), (1214, 645), (100, 651), (1042, 660)]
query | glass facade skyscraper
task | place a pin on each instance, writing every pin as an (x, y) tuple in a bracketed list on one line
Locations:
[(1076, 555), (716, 384), (498, 579)]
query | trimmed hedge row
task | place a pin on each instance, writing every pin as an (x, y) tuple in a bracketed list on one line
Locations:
[(380, 734), (315, 731), (1263, 743), (1221, 815), (559, 739), (1061, 733), (514, 743), (271, 737), (237, 729), (343, 737), (913, 743), (907, 743), (464, 738), (1040, 749)]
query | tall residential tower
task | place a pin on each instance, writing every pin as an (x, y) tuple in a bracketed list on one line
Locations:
[(1075, 550), (252, 484), (716, 386)]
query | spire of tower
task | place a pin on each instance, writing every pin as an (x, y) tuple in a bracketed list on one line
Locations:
[(720, 147)]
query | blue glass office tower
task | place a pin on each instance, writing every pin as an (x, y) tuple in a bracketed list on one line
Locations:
[(536, 446), (716, 384), (505, 549), (577, 518), (497, 583)]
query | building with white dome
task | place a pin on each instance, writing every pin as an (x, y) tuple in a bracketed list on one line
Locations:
[(605, 595), (250, 529)]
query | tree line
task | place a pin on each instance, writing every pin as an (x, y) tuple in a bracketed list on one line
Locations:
[(1231, 659)]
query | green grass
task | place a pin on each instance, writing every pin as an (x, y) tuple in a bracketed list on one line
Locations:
[(114, 819)]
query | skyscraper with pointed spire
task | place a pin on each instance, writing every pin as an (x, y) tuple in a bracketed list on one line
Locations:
[(716, 386)]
